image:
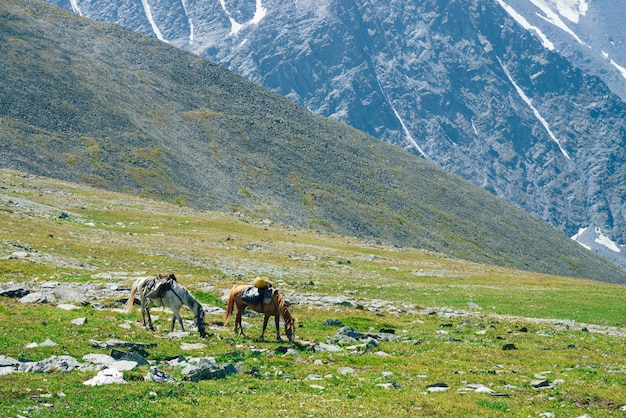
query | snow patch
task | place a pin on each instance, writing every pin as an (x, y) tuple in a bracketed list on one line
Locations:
[(155, 28), (567, 8), (621, 69), (600, 239), (75, 7), (191, 29), (235, 26), (529, 102), (526, 25), (409, 137)]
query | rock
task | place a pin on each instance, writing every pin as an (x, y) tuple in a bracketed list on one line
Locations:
[(345, 370), (120, 343), (15, 292), (102, 360), (79, 321), (123, 365), (333, 323), (46, 343), (158, 376), (350, 332), (129, 356), (326, 348), (8, 361), (543, 383), (196, 346), (38, 297), (52, 364), (67, 306), (509, 347), (211, 372), (437, 387), (106, 377)]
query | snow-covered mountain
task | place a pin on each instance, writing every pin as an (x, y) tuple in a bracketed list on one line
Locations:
[(521, 97)]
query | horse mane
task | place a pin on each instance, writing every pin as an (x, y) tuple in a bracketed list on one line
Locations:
[(188, 299), (282, 306)]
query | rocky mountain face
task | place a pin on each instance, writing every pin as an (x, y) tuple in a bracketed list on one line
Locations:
[(501, 93)]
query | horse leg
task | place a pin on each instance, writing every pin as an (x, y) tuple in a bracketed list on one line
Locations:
[(175, 317), (277, 319), (265, 319), (149, 318), (238, 322)]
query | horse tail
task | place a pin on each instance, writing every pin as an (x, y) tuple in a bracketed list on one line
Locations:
[(131, 298), (231, 305)]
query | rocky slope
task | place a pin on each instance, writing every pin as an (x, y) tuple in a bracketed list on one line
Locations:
[(461, 83), (101, 105)]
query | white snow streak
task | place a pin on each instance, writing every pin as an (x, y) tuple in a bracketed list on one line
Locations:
[(259, 13), (621, 69), (404, 128), (572, 9), (522, 21), (191, 32), (553, 18), (155, 28), (75, 7), (529, 102), (235, 27)]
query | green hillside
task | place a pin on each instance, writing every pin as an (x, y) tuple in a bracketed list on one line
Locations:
[(97, 104)]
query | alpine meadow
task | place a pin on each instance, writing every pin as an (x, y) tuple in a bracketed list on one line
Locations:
[(414, 292)]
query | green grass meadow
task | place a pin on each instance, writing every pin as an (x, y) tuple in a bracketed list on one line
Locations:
[(569, 332)]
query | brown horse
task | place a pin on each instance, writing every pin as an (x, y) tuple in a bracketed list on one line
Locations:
[(275, 308)]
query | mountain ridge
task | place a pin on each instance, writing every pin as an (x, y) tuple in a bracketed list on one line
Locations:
[(461, 83), (101, 105)]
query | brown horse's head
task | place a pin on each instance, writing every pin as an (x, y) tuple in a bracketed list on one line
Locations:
[(290, 329)]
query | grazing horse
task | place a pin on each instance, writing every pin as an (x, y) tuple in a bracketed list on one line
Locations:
[(173, 296), (275, 308)]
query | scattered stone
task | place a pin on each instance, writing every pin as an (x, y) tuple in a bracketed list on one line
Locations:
[(8, 361), (158, 376), (542, 383), (102, 360), (105, 377), (38, 297), (79, 321), (188, 346), (509, 347), (333, 323), (326, 348), (472, 305), (345, 370), (320, 387), (120, 343), (15, 292), (67, 306), (47, 343), (60, 364), (437, 387), (211, 372), (133, 356), (476, 387)]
